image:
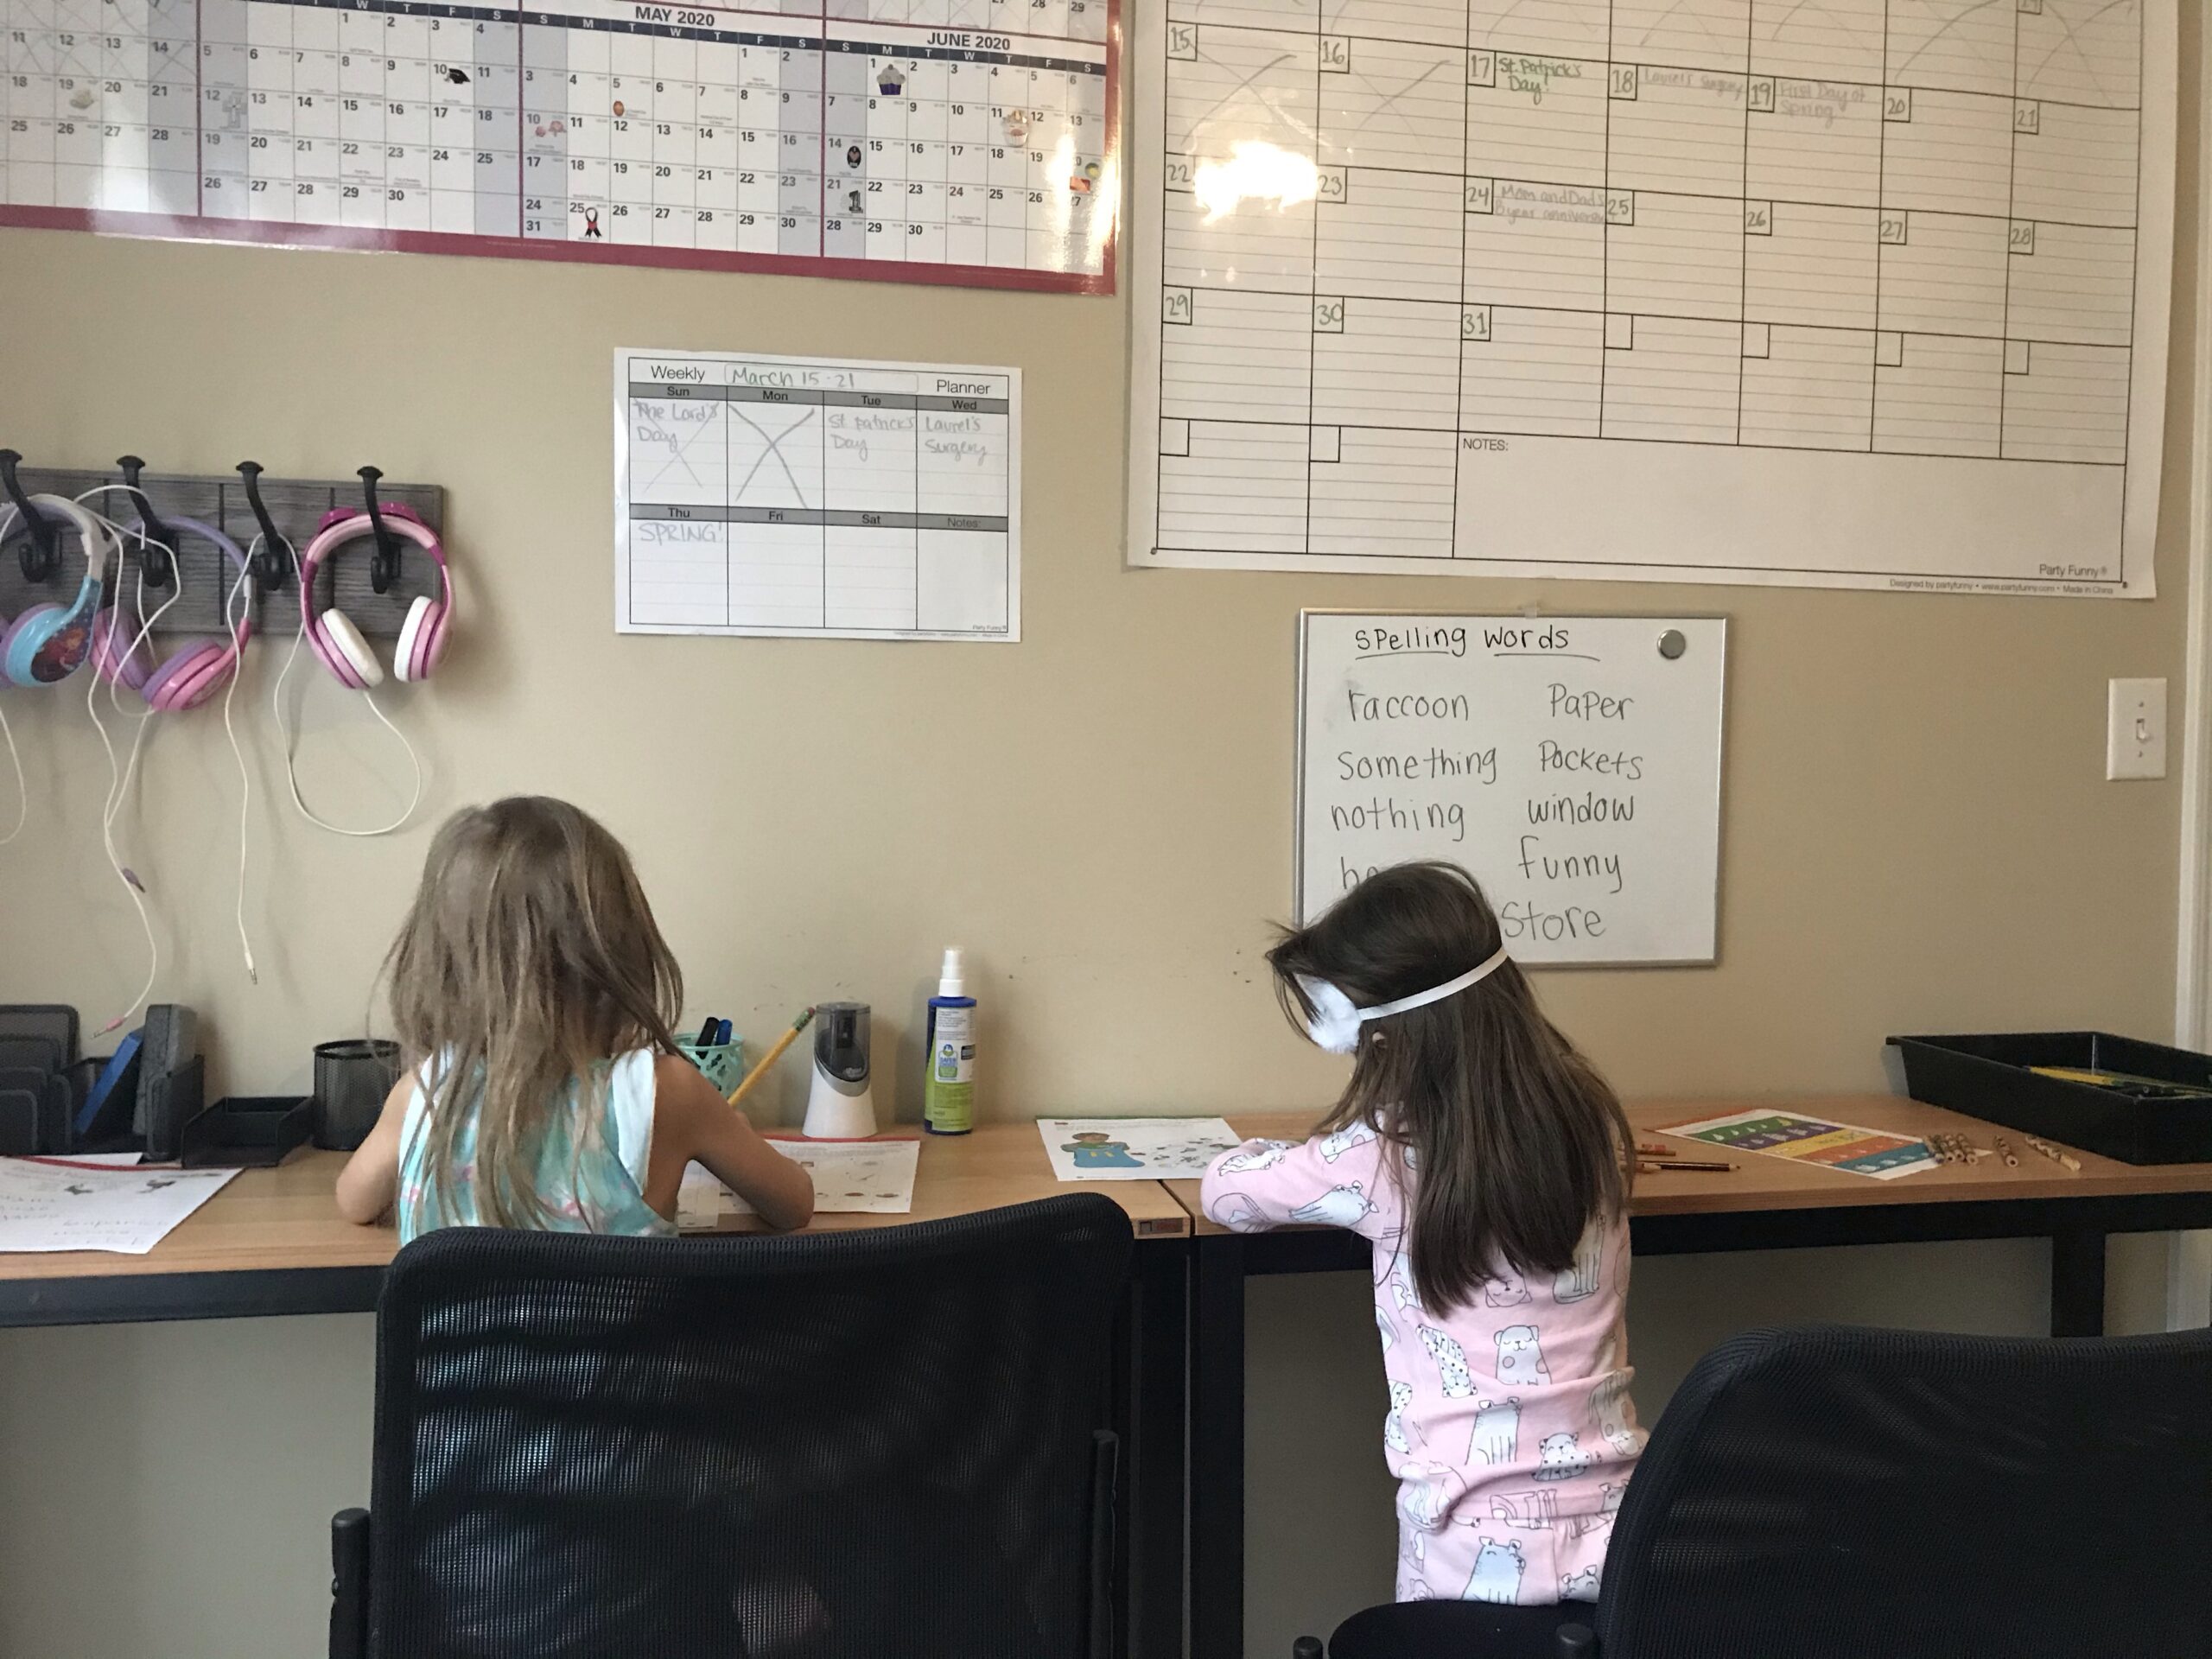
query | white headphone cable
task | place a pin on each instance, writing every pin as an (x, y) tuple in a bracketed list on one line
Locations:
[(119, 782), (232, 618), (292, 776)]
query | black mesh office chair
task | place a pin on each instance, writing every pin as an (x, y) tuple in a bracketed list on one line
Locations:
[(829, 1446), (1836, 1493)]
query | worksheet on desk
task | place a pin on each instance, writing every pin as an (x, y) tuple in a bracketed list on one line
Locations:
[(816, 497), (1850, 293), (60, 1204)]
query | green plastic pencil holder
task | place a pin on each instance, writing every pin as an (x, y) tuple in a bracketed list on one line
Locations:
[(722, 1062)]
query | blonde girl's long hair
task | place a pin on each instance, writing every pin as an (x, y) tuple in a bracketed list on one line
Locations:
[(528, 958)]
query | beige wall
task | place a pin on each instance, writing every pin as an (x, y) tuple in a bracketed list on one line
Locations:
[(1917, 836)]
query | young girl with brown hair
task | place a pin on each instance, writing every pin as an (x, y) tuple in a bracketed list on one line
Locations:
[(1489, 1163)]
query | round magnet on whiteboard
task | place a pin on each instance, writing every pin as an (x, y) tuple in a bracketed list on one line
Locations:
[(1091, 170), (1672, 644), (617, 106)]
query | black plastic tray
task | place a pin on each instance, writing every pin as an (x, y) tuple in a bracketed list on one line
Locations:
[(1987, 1076), (247, 1131)]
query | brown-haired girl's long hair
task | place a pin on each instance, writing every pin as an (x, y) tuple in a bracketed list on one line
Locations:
[(1512, 1141), (528, 958)]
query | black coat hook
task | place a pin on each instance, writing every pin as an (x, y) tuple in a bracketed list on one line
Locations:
[(383, 565), (272, 565), (157, 555), (41, 553)]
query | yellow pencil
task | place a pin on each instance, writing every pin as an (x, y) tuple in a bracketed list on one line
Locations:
[(769, 1057)]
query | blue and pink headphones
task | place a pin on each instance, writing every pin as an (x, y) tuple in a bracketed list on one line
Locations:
[(48, 642)]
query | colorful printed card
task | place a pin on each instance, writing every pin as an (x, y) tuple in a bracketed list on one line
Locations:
[(1134, 1148), (1813, 1140)]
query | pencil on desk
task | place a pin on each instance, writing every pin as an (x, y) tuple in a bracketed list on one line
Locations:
[(1651, 1166), (1653, 1149), (770, 1056)]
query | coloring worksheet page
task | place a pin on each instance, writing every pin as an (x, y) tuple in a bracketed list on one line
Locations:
[(1134, 1148), (817, 498), (851, 1177), (1848, 293), (968, 141), (65, 1205)]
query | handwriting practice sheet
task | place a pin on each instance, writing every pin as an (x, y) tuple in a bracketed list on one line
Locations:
[(963, 140), (74, 1205), (1858, 293), (816, 496), (850, 1177)]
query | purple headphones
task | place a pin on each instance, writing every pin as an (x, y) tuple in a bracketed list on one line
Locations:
[(189, 677)]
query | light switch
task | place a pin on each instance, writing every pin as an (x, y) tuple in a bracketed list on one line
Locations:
[(2135, 729)]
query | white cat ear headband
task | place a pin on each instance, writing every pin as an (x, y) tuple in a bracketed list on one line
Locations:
[(1335, 1022)]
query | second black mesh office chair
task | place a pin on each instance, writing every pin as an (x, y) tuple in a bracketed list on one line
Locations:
[(1831, 1492), (831, 1446)]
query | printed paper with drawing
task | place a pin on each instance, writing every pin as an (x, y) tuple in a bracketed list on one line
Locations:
[(61, 1206), (851, 1177), (1134, 1148)]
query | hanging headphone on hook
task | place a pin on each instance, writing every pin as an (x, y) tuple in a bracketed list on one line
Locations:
[(189, 677), (48, 642), (337, 639), (343, 649)]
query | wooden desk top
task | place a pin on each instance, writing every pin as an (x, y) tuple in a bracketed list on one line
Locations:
[(285, 1218), (1762, 1182)]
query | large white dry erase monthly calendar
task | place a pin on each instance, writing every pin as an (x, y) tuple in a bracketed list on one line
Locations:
[(969, 141), (817, 497), (1865, 293)]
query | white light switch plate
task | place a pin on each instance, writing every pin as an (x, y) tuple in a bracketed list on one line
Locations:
[(2135, 729)]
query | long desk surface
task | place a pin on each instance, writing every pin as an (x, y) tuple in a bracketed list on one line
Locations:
[(272, 1240), (1761, 1182)]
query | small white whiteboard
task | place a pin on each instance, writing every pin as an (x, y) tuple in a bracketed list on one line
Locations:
[(1572, 764)]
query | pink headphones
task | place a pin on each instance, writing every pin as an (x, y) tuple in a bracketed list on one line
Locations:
[(338, 641), (191, 676)]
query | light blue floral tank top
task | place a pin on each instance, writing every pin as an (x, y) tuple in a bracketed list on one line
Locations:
[(605, 1192)]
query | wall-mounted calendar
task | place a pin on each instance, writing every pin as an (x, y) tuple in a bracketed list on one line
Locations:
[(942, 141)]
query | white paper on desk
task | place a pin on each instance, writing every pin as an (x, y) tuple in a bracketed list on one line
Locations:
[(1134, 1148), (75, 1206), (850, 1177)]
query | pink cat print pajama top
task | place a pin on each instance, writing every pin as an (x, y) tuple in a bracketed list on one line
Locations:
[(1510, 1428)]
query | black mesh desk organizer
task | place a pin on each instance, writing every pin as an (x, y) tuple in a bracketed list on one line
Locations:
[(827, 1446), (1837, 1493)]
